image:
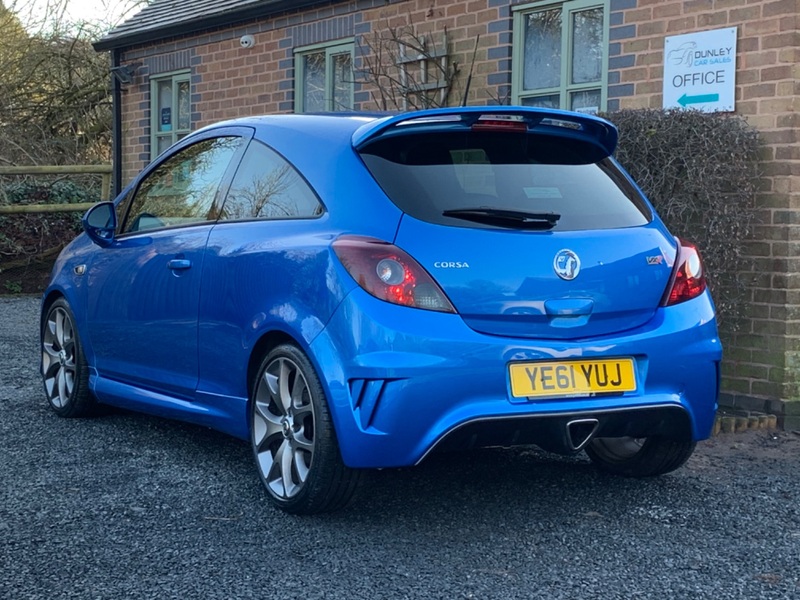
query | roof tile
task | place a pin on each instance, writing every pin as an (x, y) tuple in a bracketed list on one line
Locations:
[(166, 18)]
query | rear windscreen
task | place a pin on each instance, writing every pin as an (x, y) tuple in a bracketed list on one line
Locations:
[(427, 174)]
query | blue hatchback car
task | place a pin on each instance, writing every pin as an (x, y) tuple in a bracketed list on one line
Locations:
[(356, 292)]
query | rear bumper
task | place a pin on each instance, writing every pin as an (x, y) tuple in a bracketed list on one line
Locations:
[(565, 433), (402, 382)]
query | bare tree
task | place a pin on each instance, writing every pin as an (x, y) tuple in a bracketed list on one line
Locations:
[(55, 105), (406, 69)]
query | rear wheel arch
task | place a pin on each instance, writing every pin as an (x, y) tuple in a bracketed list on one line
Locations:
[(270, 340), (262, 347)]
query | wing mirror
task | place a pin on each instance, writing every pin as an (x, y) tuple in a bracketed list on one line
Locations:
[(100, 223)]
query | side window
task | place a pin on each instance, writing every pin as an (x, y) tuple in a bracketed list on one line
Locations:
[(181, 191), (266, 186)]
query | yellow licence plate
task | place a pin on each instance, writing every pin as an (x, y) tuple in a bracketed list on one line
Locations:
[(572, 378)]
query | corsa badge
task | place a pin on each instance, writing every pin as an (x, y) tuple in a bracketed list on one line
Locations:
[(566, 264)]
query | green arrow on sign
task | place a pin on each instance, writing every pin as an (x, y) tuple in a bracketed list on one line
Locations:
[(699, 99)]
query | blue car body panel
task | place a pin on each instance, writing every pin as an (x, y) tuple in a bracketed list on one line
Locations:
[(181, 342), (392, 406), (500, 284), (141, 315)]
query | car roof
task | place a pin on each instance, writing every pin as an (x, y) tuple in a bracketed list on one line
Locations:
[(310, 124)]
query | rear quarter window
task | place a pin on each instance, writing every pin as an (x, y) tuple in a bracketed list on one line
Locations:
[(428, 174), (267, 186)]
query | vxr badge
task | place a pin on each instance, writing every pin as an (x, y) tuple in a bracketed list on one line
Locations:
[(566, 264)]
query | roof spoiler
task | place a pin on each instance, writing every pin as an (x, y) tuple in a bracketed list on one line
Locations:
[(594, 130)]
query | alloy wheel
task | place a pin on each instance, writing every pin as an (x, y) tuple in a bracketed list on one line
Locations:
[(283, 427), (59, 357)]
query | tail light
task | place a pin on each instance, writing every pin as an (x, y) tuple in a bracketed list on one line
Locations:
[(390, 274), (688, 278)]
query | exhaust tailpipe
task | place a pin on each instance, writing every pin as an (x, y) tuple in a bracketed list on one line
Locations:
[(580, 432)]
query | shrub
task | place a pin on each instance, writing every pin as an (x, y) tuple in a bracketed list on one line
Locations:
[(701, 171), (30, 242)]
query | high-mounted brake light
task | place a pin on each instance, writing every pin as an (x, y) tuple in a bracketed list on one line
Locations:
[(688, 278), (390, 274), (500, 123)]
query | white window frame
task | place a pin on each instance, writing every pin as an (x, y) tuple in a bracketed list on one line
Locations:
[(175, 77), (565, 88)]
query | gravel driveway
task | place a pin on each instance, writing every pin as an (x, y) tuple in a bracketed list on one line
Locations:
[(128, 506)]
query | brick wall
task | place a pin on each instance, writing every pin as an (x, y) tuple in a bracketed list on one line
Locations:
[(762, 362), (485, 23), (230, 81)]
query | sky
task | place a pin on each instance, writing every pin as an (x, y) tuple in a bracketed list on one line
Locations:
[(98, 12), (113, 10)]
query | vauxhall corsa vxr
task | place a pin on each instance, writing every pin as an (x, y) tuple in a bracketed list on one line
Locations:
[(353, 292)]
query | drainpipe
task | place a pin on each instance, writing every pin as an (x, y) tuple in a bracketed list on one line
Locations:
[(116, 128)]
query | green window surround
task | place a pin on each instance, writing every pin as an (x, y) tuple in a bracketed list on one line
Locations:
[(560, 55), (324, 77)]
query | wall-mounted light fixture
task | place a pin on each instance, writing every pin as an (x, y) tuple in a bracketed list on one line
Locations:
[(124, 73)]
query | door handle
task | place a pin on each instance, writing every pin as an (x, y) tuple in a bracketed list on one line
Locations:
[(178, 264)]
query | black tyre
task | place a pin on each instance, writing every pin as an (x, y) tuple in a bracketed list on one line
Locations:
[(639, 457), (63, 367), (294, 442)]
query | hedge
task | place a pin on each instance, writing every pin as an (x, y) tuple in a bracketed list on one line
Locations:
[(701, 172)]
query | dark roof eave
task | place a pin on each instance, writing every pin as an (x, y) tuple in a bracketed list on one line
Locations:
[(214, 21)]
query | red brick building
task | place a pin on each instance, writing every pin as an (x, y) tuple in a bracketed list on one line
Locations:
[(182, 65)]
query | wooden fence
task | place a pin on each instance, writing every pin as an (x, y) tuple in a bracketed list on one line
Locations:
[(105, 191)]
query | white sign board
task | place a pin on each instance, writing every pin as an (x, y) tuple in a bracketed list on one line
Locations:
[(700, 70)]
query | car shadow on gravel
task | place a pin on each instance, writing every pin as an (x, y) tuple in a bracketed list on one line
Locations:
[(493, 481), (194, 460)]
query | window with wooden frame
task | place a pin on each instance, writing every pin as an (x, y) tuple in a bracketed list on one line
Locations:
[(324, 77), (170, 110), (560, 55)]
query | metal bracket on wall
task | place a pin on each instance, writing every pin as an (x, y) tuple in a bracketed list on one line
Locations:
[(431, 74)]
